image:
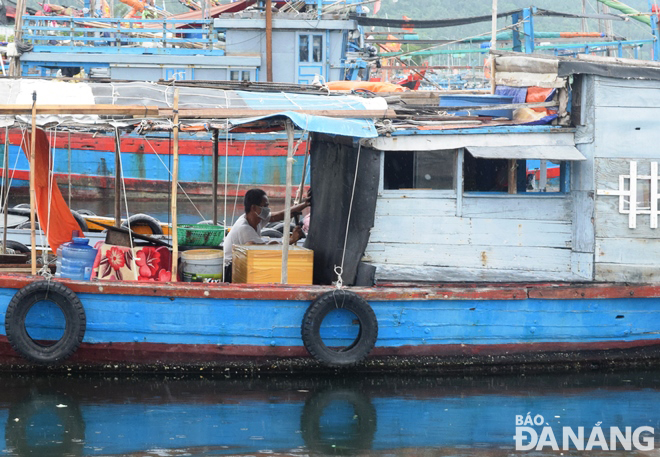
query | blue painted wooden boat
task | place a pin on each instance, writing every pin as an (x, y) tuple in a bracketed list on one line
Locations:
[(442, 264)]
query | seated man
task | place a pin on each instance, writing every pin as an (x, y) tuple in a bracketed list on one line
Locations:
[(247, 229)]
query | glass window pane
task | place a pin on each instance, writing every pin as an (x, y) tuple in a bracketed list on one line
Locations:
[(432, 170), (245, 76), (303, 48), (317, 48), (233, 75)]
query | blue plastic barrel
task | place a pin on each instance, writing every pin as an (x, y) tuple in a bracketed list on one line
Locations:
[(77, 259)]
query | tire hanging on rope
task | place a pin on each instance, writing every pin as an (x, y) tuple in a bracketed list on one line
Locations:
[(71, 308), (359, 348)]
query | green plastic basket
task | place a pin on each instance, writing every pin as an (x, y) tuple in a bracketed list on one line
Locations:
[(200, 234)]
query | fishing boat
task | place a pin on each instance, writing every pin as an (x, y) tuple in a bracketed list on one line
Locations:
[(428, 247)]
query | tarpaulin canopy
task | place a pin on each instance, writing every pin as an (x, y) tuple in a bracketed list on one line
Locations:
[(358, 128)]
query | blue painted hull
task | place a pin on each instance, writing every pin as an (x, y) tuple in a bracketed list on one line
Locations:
[(249, 160), (214, 324)]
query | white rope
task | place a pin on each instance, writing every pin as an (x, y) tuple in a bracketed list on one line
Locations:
[(128, 215), (224, 223), (171, 176), (238, 183), (339, 269)]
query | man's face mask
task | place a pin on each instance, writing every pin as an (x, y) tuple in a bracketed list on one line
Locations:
[(264, 213)]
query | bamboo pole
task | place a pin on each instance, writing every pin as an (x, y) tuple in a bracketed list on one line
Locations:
[(175, 184), (33, 191), (269, 41), (304, 171), (287, 203)]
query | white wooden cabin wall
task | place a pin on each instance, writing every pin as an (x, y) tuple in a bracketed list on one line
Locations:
[(417, 236), (627, 119)]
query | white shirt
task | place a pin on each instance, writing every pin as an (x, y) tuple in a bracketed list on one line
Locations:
[(242, 233)]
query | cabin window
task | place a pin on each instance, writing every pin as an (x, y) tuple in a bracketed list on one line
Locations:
[(432, 170), (317, 48), (245, 76), (303, 48), (531, 176), (233, 75)]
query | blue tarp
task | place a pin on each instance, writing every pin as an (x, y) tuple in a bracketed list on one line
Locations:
[(358, 128)]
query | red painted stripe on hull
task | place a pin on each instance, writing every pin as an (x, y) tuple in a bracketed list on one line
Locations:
[(253, 147), (95, 185), (264, 291), (209, 354)]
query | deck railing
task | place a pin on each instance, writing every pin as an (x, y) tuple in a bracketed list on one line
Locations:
[(116, 35)]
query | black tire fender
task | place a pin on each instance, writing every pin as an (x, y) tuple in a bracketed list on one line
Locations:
[(319, 309), (144, 219), (71, 308), (17, 247), (82, 223)]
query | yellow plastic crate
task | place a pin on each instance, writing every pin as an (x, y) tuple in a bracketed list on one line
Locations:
[(262, 264)]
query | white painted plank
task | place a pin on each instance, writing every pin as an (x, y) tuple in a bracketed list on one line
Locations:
[(487, 257), (609, 223), (617, 272), (629, 251), (583, 221), (407, 207), (620, 93), (626, 132), (386, 272), (432, 229), (523, 207), (582, 265)]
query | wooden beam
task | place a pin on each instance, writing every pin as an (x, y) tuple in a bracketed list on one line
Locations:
[(513, 176), (269, 41), (225, 113), (103, 110), (175, 184), (33, 190)]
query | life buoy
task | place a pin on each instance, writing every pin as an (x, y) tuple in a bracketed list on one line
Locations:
[(74, 315), (319, 309), (82, 223), (144, 220), (17, 247)]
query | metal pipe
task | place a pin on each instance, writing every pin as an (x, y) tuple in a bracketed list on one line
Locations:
[(5, 193), (269, 41)]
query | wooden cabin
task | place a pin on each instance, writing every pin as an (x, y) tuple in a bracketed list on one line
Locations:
[(439, 203)]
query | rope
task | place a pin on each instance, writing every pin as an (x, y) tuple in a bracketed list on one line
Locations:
[(128, 215), (170, 174), (339, 269), (238, 183), (224, 222)]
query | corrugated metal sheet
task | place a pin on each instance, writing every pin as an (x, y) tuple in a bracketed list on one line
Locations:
[(555, 153)]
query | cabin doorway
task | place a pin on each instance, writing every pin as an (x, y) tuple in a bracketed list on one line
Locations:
[(310, 57)]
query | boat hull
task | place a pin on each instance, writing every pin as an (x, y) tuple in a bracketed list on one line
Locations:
[(217, 325), (85, 164)]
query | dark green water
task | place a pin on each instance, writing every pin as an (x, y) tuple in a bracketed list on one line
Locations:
[(369, 416)]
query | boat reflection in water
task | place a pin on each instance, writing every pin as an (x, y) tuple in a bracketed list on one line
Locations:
[(57, 416)]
